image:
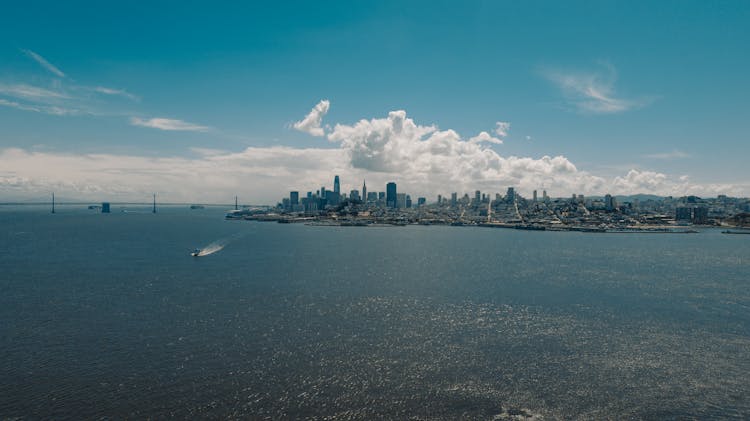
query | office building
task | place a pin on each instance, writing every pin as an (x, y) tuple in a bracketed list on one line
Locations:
[(510, 195), (391, 199), (610, 203), (401, 200)]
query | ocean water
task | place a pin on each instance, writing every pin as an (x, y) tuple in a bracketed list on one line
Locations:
[(108, 316)]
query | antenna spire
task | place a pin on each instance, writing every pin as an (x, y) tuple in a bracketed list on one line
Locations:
[(53, 202), (154, 211), (235, 203)]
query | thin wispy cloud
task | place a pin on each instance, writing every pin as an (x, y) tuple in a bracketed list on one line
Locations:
[(168, 124), (38, 108), (18, 105), (593, 92), (668, 156), (31, 92), (116, 92), (44, 63)]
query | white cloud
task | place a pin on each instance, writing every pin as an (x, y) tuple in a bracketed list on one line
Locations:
[(311, 123), (258, 175), (427, 159), (30, 92), (168, 124), (668, 156), (593, 92), (423, 160), (44, 63), (485, 137), (17, 105), (117, 92), (46, 109), (502, 128)]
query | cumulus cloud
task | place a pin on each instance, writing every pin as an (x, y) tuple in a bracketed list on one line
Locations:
[(422, 159), (485, 137), (426, 158), (593, 92), (167, 124), (311, 123), (44, 63)]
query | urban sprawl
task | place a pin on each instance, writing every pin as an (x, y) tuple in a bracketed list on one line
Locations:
[(640, 213)]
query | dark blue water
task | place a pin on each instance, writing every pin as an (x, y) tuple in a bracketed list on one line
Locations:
[(109, 316)]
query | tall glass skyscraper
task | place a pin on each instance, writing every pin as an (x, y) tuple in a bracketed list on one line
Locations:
[(336, 185), (391, 198)]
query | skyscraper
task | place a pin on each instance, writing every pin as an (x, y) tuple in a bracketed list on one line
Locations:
[(294, 198), (391, 199), (610, 203), (364, 190), (454, 199), (510, 196), (336, 185)]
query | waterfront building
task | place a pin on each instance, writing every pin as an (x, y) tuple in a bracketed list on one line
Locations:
[(700, 215), (391, 199), (683, 213)]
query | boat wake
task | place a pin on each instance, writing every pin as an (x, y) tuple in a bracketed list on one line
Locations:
[(215, 246)]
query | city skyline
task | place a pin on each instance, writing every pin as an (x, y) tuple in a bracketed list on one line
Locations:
[(475, 96)]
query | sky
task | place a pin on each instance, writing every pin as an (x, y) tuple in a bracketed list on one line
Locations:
[(202, 101)]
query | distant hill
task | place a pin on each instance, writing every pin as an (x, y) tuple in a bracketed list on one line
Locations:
[(639, 197)]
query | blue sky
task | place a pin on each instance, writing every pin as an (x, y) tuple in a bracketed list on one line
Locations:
[(637, 96)]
